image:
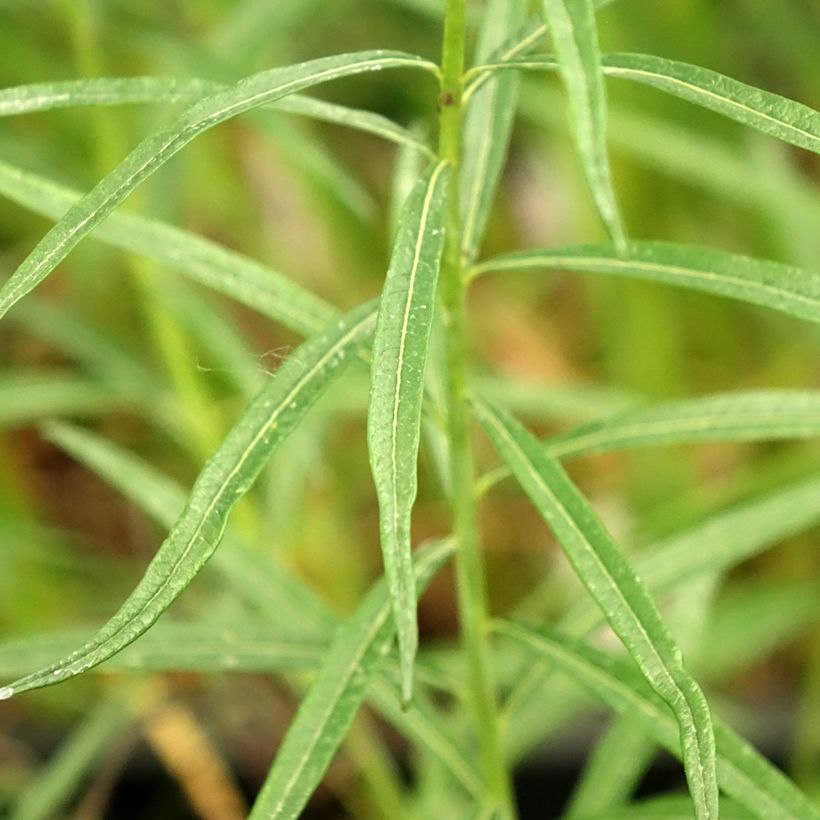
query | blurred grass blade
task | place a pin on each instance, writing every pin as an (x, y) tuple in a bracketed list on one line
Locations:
[(575, 40), (394, 416), (612, 770), (619, 593), (54, 785), (325, 715), (744, 774), (154, 151), (226, 477), (25, 99), (780, 117), (741, 416), (239, 277), (30, 395), (772, 284), (487, 126)]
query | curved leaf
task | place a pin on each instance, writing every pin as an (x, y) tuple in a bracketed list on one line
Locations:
[(226, 477), (619, 593), (744, 774), (772, 284), (394, 416), (249, 282), (770, 113), (575, 40), (252, 92), (326, 713)]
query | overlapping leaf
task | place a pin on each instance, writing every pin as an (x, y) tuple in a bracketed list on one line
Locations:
[(154, 151), (394, 416), (621, 596), (575, 41), (774, 285), (223, 481), (743, 773), (327, 711)]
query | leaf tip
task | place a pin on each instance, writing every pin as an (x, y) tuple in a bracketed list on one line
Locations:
[(6, 692)]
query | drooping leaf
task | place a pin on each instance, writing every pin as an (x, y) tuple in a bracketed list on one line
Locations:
[(781, 287), (327, 711), (226, 477), (394, 416), (226, 271), (770, 113), (744, 774), (252, 92), (621, 596), (575, 40), (488, 121)]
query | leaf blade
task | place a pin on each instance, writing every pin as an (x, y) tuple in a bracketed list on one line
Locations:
[(225, 478), (623, 599), (331, 704), (400, 349), (744, 774), (781, 287), (155, 150), (575, 40)]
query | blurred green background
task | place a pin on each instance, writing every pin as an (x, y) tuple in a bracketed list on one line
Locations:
[(162, 367)]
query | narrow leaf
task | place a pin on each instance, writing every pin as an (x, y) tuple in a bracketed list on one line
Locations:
[(326, 713), (575, 40), (394, 416), (741, 416), (744, 774), (487, 127), (245, 280), (781, 287), (780, 117), (623, 599), (226, 477), (252, 92)]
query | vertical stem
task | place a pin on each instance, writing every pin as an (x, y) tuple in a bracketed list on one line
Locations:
[(472, 598)]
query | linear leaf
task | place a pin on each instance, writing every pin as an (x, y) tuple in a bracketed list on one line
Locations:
[(249, 282), (226, 477), (778, 116), (575, 40), (781, 287), (744, 774), (619, 593), (24, 99), (326, 713), (30, 395), (740, 416), (487, 127), (394, 416), (249, 93), (775, 115)]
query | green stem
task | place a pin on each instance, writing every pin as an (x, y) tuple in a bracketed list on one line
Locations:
[(472, 596)]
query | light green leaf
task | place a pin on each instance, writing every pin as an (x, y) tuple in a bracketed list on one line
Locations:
[(740, 416), (488, 121), (772, 114), (744, 774), (226, 477), (394, 416), (619, 593), (331, 704), (245, 280), (575, 40), (31, 395), (775, 115), (252, 92), (772, 284)]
